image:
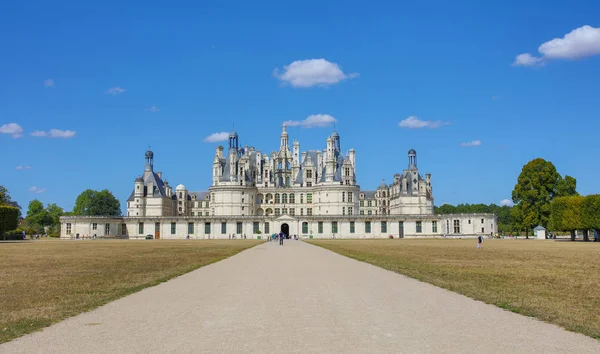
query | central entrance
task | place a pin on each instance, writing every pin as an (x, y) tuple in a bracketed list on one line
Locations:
[(285, 229)]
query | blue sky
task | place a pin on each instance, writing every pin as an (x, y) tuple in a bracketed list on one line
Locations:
[(97, 83)]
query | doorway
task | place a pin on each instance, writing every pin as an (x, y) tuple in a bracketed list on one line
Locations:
[(285, 229)]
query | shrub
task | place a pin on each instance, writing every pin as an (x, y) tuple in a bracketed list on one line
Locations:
[(9, 218)]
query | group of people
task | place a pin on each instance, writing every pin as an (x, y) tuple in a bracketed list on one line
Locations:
[(281, 236)]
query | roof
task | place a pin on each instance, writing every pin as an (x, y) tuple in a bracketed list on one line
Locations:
[(539, 227), (199, 195)]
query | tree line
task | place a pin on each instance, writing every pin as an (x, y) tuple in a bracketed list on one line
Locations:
[(42, 219)]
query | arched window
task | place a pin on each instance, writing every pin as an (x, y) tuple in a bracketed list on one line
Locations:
[(277, 198), (292, 198), (284, 198)]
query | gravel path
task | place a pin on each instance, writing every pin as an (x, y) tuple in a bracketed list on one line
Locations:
[(298, 298)]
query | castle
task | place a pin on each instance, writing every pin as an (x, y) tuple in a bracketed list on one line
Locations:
[(312, 193)]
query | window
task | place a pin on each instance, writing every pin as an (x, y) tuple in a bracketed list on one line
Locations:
[(305, 227), (193, 213), (419, 226), (106, 229), (456, 226), (123, 229), (301, 198), (255, 227), (350, 197), (351, 227), (367, 227), (141, 228), (483, 229), (207, 228), (347, 172), (309, 198), (343, 197), (284, 198), (223, 227), (94, 226), (292, 211), (308, 174), (309, 211), (350, 211), (482, 221), (369, 203), (320, 227), (292, 198), (334, 228), (173, 228), (362, 203), (277, 198), (384, 226), (284, 211), (267, 228), (190, 228), (469, 222), (343, 210), (238, 228), (301, 211), (434, 226), (68, 228), (207, 213), (401, 226), (277, 211), (369, 212), (362, 212)]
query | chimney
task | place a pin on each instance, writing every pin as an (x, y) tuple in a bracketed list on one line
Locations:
[(220, 151), (159, 174)]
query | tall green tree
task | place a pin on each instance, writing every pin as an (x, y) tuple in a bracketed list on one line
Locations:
[(97, 203), (565, 214), (6, 200), (37, 216), (537, 185), (55, 213), (590, 213)]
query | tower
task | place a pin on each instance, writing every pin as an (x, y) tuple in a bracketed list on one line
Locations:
[(412, 159), (233, 141), (284, 137), (138, 189), (149, 160), (335, 137)]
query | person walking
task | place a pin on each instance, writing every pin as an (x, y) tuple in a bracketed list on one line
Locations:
[(479, 241), (281, 238)]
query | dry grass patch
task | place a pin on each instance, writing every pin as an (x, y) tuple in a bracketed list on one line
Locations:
[(44, 282), (558, 282)]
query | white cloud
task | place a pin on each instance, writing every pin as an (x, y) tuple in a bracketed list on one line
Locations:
[(215, 137), (312, 72), (15, 130), (39, 133), (506, 202), (57, 133), (471, 143), (579, 43), (527, 59), (54, 133), (115, 91), (36, 190), (49, 83), (314, 120), (21, 168), (413, 122), (153, 109)]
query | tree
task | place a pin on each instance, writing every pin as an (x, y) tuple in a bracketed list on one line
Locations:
[(6, 200), (565, 214), (55, 212), (38, 217), (97, 203), (9, 218), (590, 213), (537, 185)]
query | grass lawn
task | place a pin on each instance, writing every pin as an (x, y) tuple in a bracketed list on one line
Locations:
[(43, 282), (558, 282)]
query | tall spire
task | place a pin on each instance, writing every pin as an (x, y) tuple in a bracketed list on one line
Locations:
[(284, 137)]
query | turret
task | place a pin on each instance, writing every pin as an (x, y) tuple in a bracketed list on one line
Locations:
[(284, 137), (149, 161), (412, 159), (138, 187), (233, 141)]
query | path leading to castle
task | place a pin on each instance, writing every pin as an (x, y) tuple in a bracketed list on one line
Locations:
[(298, 298)]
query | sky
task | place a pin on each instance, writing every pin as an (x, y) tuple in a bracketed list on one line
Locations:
[(477, 88)]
